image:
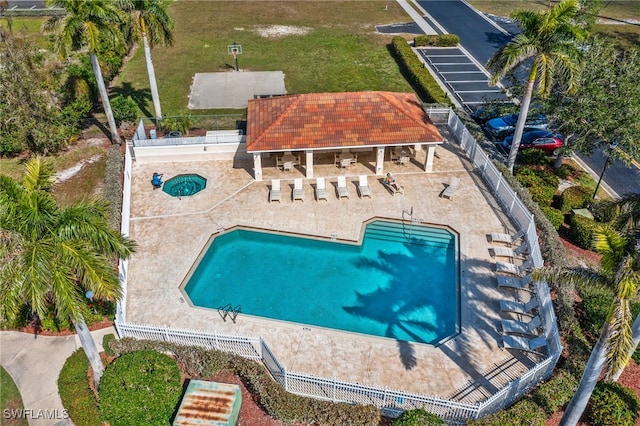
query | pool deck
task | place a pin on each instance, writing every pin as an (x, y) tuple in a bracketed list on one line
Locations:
[(172, 232)]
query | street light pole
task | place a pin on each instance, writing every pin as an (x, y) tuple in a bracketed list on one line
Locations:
[(604, 169)]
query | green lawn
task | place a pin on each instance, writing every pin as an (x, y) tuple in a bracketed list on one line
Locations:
[(10, 399), (624, 34), (338, 49)]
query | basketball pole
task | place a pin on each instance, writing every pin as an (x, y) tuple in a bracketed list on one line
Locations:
[(236, 56)]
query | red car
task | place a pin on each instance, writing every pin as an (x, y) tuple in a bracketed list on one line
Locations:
[(545, 140)]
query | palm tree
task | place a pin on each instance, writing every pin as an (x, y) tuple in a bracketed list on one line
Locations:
[(152, 25), (85, 25), (626, 214), (548, 40), (52, 256), (618, 269)]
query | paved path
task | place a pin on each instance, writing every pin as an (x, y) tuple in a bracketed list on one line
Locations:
[(416, 17), (35, 364)]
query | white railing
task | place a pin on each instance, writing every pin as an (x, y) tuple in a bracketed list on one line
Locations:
[(492, 177), (390, 402)]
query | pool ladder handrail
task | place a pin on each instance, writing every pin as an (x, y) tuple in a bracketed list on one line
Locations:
[(230, 311)]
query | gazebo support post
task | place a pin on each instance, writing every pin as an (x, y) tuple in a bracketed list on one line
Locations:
[(309, 163), (257, 166), (428, 164), (380, 160)]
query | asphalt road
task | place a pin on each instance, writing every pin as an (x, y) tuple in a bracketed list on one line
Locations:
[(481, 36)]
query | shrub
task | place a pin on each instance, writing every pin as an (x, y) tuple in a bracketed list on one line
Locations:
[(557, 392), (565, 170), (439, 40), (176, 124), (582, 230), (112, 191), (418, 417), (534, 157), (418, 76), (541, 184), (140, 388), (574, 197), (522, 413), (124, 109), (596, 302), (75, 393), (292, 408), (613, 404), (555, 216), (106, 344)]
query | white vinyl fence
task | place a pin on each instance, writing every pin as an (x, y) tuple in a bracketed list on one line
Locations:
[(391, 402)]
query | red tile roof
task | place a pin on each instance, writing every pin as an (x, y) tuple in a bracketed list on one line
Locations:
[(337, 120)]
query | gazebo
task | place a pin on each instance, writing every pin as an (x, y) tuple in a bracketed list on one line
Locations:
[(343, 123)]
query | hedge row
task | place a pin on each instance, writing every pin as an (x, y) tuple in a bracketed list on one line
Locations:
[(112, 191), (418, 76), (278, 403), (437, 40)]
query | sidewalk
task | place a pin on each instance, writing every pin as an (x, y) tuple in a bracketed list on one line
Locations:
[(35, 364)]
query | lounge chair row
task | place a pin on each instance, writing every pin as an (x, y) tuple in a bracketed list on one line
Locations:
[(275, 193), (525, 333)]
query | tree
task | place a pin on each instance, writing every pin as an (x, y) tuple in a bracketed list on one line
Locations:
[(30, 113), (151, 25), (85, 25), (51, 256), (626, 220), (619, 269), (605, 108), (548, 41)]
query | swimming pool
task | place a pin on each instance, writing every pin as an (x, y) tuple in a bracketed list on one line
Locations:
[(401, 282)]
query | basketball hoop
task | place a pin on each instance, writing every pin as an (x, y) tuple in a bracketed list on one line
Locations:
[(235, 49)]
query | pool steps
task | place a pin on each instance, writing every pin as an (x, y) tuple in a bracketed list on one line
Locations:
[(417, 234)]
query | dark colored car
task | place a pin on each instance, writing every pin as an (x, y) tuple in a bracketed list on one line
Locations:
[(174, 134), (500, 127), (482, 114), (545, 140)]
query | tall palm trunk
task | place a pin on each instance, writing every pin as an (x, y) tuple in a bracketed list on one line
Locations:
[(522, 119), (152, 77), (588, 381), (90, 349), (115, 137), (636, 340)]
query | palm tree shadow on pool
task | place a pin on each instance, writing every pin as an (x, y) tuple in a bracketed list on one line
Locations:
[(409, 315)]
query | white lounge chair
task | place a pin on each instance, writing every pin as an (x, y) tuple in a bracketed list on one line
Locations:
[(521, 327), (274, 193), (363, 185), (321, 190), (517, 283), (508, 251), (498, 237), (519, 307), (298, 193), (451, 189), (524, 344), (343, 191), (513, 269)]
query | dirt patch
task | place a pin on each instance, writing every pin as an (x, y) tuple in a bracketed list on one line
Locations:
[(281, 30)]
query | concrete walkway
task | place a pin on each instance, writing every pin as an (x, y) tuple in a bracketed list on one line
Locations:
[(416, 17), (34, 363)]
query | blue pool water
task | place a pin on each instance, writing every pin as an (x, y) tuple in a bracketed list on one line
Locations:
[(402, 282)]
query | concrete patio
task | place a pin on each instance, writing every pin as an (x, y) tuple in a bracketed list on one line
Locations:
[(172, 232)]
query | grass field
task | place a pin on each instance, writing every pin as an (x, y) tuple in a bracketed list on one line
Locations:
[(611, 16), (336, 48), (10, 399)]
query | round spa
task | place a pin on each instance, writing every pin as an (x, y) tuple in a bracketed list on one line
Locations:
[(184, 185)]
